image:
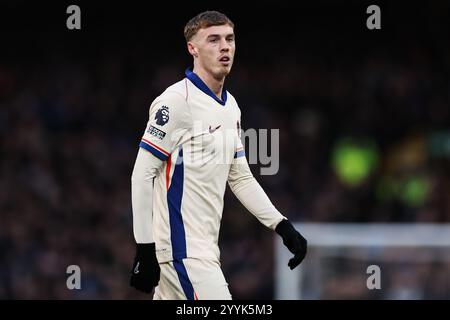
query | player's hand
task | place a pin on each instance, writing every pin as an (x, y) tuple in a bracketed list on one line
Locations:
[(293, 240), (145, 272)]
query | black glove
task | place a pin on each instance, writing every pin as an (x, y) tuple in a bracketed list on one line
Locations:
[(145, 272), (293, 240)]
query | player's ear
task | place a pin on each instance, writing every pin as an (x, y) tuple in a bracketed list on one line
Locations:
[(192, 49)]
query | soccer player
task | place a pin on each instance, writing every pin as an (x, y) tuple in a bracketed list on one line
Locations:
[(190, 149)]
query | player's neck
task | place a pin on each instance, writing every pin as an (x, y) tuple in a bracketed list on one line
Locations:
[(215, 85)]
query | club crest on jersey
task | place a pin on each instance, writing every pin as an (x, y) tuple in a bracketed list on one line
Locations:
[(162, 116)]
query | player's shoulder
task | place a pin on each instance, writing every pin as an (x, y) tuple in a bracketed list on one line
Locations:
[(232, 102), (173, 98), (175, 92), (231, 98)]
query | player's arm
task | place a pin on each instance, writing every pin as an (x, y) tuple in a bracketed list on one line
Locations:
[(166, 126), (145, 271), (252, 196)]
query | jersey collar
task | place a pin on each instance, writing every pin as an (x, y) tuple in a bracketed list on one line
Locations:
[(195, 79)]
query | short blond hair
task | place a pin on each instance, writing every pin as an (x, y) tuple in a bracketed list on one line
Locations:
[(204, 20)]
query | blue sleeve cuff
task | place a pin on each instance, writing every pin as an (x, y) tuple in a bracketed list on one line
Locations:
[(153, 149)]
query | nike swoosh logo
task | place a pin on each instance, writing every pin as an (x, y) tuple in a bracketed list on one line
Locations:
[(136, 269), (211, 130)]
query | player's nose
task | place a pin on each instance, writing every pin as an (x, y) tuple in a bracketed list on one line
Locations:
[(224, 45)]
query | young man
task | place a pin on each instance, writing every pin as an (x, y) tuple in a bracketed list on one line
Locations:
[(190, 149)]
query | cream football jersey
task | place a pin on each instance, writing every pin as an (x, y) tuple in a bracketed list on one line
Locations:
[(196, 134)]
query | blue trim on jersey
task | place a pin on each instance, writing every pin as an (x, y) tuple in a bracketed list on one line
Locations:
[(239, 154), (186, 283), (154, 151), (195, 79), (177, 232), (174, 196)]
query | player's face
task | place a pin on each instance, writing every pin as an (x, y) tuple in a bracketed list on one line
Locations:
[(215, 47)]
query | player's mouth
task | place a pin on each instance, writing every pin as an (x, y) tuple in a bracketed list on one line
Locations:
[(225, 60)]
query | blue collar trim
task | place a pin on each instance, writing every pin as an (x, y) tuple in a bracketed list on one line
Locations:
[(195, 79)]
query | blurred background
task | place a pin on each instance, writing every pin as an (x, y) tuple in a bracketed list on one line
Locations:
[(364, 120)]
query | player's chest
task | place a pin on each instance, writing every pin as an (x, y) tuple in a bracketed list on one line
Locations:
[(211, 116), (214, 131)]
